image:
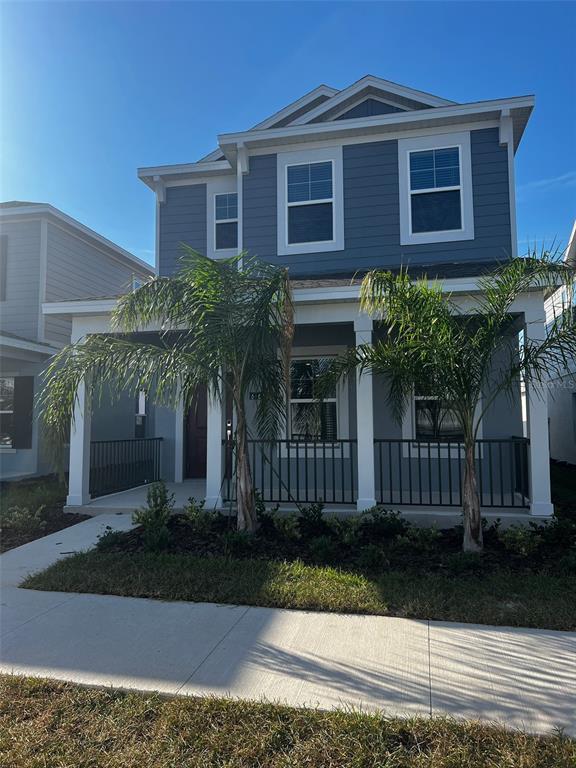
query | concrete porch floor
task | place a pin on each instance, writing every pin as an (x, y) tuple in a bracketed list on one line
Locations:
[(133, 498)]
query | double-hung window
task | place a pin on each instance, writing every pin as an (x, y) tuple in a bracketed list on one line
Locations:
[(6, 411), (310, 201), (435, 189), (226, 221), (311, 419)]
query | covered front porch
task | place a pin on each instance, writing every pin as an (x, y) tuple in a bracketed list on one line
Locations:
[(355, 457)]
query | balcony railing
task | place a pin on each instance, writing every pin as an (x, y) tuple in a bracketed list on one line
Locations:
[(429, 473), (116, 465), (407, 472)]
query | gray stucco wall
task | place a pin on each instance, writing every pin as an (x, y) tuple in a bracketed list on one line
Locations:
[(19, 313), (182, 220)]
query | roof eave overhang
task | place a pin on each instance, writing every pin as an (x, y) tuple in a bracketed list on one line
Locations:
[(518, 108), (154, 176)]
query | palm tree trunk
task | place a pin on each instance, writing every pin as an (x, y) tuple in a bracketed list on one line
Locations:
[(244, 485), (471, 503)]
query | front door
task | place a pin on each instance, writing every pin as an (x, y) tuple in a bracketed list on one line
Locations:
[(196, 430)]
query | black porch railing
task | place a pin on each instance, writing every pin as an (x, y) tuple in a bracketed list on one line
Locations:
[(116, 465), (429, 473), (303, 471)]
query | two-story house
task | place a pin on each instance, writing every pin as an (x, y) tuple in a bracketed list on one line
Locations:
[(45, 256), (336, 183)]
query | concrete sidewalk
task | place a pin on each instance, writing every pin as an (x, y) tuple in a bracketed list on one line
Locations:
[(522, 677)]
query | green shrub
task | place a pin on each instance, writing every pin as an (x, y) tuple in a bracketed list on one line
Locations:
[(324, 549), (287, 527), (418, 540), (201, 521), (109, 540), (463, 563), (154, 517), (567, 564), (311, 520), (237, 543), (23, 521), (379, 524), (521, 540), (372, 558)]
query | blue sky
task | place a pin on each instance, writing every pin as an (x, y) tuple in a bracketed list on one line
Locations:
[(91, 91)]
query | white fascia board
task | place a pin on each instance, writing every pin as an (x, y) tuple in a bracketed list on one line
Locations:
[(76, 226), (80, 307), (183, 170), (28, 346), (373, 82), (251, 138)]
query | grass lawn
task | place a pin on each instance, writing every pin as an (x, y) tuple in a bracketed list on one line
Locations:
[(501, 598), (45, 724), (39, 503)]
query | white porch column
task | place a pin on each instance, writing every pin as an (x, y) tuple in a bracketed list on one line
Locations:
[(214, 453), (79, 468), (537, 413), (365, 422)]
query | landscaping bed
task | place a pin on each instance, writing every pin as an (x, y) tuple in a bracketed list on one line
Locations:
[(376, 563), (32, 508), (45, 723)]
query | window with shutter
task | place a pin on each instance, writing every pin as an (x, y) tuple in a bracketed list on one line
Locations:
[(23, 412)]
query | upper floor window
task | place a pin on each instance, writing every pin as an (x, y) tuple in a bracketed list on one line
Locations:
[(226, 221), (310, 201), (435, 191), (435, 181)]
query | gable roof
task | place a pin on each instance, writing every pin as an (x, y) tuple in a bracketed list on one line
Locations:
[(395, 94), (16, 208)]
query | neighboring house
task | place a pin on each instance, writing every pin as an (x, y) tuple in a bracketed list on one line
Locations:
[(45, 255), (562, 389), (336, 183)]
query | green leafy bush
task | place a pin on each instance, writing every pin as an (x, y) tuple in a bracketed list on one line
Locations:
[(311, 520), (109, 540), (324, 549), (379, 524), (521, 540), (287, 527), (237, 543), (23, 520), (463, 563), (372, 557), (201, 521), (419, 540), (154, 517)]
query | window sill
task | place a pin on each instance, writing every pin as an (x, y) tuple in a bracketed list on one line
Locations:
[(7, 449), (304, 248), (425, 238)]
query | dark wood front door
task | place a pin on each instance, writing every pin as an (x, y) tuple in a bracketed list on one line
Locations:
[(196, 431)]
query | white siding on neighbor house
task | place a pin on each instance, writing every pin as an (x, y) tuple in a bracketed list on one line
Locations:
[(19, 312), (76, 269)]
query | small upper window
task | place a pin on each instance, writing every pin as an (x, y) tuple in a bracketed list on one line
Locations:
[(310, 202), (6, 411), (435, 191), (226, 221)]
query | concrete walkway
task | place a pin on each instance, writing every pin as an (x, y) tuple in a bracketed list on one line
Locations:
[(522, 677)]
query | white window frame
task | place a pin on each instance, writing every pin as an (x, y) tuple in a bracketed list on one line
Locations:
[(225, 221), (436, 448), (9, 447), (342, 404), (307, 157), (428, 143), (221, 186)]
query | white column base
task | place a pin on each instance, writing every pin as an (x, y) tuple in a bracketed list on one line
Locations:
[(76, 500), (213, 502), (541, 509), (363, 504)]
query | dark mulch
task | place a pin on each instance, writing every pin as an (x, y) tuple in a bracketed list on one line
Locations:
[(55, 520)]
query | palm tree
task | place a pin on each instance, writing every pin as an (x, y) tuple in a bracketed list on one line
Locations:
[(433, 347), (222, 326)]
